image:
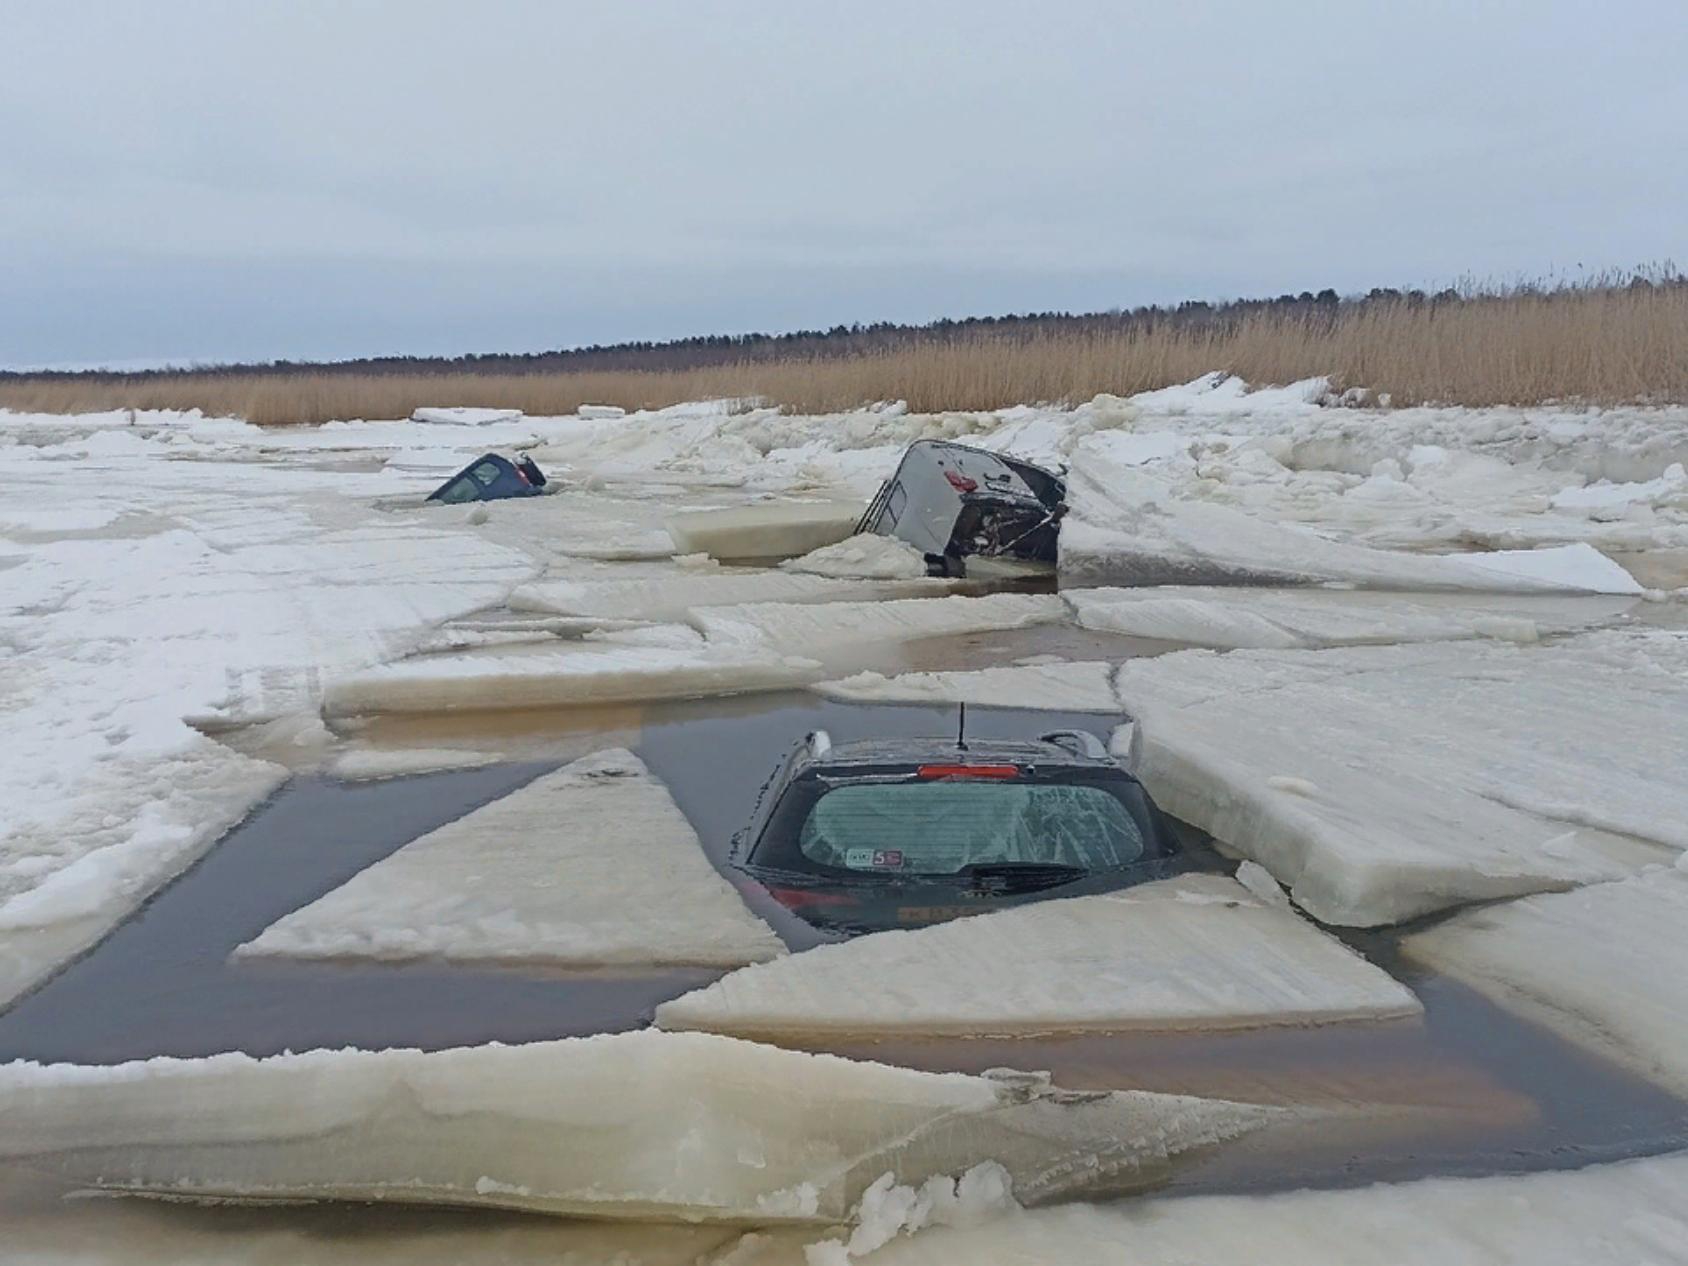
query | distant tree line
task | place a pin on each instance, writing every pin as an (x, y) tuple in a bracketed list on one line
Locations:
[(703, 351)]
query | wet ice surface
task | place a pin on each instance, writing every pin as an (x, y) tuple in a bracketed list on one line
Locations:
[(252, 541), (1195, 952)]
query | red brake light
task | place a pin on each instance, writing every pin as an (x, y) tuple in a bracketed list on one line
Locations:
[(797, 898), (960, 482), (968, 771)]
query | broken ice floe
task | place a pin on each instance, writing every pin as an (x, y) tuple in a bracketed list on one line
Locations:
[(1195, 952), (374, 764), (808, 629), (1131, 529), (1621, 1214), (765, 531), (1379, 783), (866, 557), (671, 594), (1062, 687), (581, 674), (591, 865), (1247, 616), (648, 1125), (463, 416), (1605, 965)]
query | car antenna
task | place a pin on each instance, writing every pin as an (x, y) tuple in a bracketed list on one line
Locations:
[(961, 730)]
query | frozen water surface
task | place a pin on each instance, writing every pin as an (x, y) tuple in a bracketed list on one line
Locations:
[(1380, 783), (1606, 965), (592, 865), (688, 1127), (1194, 952), (1069, 687)]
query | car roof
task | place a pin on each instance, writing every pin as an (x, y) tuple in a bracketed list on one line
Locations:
[(978, 751)]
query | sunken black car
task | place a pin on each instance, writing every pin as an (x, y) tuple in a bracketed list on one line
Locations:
[(874, 835), (954, 503), (491, 477)]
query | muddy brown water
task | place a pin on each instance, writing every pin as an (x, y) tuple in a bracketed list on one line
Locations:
[(1470, 1090)]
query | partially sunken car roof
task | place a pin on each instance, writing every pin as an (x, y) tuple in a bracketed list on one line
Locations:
[(978, 751)]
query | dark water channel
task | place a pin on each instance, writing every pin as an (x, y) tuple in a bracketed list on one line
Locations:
[(1469, 1090)]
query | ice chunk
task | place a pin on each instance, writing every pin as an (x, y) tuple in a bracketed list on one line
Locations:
[(1247, 616), (1571, 567), (465, 416), (1606, 965), (868, 557), (888, 1209), (670, 595), (600, 412), (1425, 776), (643, 1125), (770, 530), (591, 865), (1622, 1214), (591, 673), (1063, 687), (1129, 528), (802, 629), (370, 764), (1195, 952)]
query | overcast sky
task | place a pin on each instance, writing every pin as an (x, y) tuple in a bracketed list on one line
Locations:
[(251, 180)]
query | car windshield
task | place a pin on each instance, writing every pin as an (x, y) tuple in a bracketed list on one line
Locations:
[(944, 827)]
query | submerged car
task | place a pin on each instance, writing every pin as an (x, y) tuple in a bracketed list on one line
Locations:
[(952, 503), (873, 835), (492, 477)]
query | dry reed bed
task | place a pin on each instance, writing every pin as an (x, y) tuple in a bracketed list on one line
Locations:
[(1599, 345)]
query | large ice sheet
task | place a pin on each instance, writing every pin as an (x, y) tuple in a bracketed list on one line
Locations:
[(1063, 687), (571, 676), (807, 629), (1248, 616), (1380, 783), (684, 1126), (868, 557), (1130, 528), (1625, 1214), (769, 530), (1195, 952), (1606, 965), (591, 865), (670, 594)]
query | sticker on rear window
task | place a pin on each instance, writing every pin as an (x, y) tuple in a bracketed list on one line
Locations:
[(874, 858)]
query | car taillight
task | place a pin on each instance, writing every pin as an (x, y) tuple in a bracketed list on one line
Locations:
[(797, 898), (968, 771), (960, 482)]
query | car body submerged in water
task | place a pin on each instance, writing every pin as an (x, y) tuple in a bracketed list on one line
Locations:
[(875, 835), (954, 503), (492, 477)]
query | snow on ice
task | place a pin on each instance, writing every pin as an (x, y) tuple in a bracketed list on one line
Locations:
[(1195, 952), (1423, 776), (1625, 1214), (591, 865), (648, 1125), (810, 628), (1230, 616), (1060, 687), (867, 557), (671, 594), (1605, 965)]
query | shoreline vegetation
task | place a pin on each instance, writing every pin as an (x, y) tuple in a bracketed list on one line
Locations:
[(1615, 339)]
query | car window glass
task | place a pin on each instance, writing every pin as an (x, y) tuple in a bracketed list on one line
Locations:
[(894, 504), (941, 827), (487, 472), (461, 489)]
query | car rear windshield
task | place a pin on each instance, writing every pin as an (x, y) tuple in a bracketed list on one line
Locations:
[(946, 826)]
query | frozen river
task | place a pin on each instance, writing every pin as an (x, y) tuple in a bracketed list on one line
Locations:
[(1391, 660)]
